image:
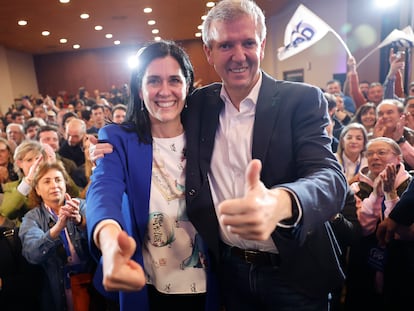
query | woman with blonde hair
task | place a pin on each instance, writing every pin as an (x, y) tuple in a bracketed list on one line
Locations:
[(350, 153), (27, 157)]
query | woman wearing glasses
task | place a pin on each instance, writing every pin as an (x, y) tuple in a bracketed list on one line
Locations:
[(381, 183)]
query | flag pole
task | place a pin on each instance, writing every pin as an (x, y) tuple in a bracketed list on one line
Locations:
[(342, 42), (366, 56)]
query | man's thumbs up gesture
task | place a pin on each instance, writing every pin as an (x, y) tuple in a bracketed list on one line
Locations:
[(256, 215)]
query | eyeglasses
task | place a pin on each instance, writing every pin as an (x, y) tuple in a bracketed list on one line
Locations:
[(381, 153)]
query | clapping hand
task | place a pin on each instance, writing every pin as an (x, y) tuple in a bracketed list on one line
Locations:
[(388, 176), (71, 209), (379, 128)]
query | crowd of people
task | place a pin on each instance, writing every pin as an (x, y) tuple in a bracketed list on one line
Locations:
[(222, 197)]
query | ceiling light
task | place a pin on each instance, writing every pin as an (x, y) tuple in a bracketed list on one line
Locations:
[(98, 27), (198, 34), (210, 4), (63, 40), (84, 16), (204, 17), (108, 36), (151, 22), (157, 38), (132, 62), (155, 31), (22, 22), (147, 10), (76, 46), (64, 1), (117, 42), (200, 27), (45, 33)]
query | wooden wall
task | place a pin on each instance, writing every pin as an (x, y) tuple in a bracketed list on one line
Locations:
[(102, 68)]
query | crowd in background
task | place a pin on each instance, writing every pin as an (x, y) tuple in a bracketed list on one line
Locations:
[(372, 131)]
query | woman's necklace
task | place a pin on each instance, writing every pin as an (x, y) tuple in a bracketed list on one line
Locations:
[(173, 149)]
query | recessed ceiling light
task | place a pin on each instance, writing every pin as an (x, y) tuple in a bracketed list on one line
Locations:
[(155, 31), (76, 46), (198, 34), (98, 27), (157, 38), (22, 22), (200, 27), (117, 42), (108, 36), (204, 17), (64, 1), (210, 4), (45, 33), (147, 10), (63, 40), (84, 16), (151, 22)]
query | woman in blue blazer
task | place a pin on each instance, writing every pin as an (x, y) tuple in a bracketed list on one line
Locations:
[(136, 215)]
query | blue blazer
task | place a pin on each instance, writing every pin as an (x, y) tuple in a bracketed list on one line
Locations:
[(120, 190), (289, 138)]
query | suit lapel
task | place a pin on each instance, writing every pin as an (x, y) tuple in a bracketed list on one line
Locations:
[(268, 105), (209, 125)]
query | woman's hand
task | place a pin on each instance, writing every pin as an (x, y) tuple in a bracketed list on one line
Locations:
[(71, 209), (33, 170), (120, 272)]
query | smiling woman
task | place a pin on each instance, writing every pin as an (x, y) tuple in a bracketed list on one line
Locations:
[(53, 236)]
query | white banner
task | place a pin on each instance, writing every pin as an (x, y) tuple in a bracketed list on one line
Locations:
[(303, 30)]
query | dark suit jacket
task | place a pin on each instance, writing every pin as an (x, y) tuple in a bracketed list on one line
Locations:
[(403, 212), (289, 138)]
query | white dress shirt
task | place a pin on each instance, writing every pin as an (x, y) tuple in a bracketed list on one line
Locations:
[(231, 155)]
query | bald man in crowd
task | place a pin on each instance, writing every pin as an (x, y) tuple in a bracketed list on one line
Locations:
[(72, 146)]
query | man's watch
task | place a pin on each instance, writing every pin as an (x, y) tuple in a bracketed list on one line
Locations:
[(401, 140)]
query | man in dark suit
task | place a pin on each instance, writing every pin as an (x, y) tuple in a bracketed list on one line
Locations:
[(272, 243), (268, 228)]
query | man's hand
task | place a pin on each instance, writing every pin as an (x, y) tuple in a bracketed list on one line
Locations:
[(256, 215), (98, 150)]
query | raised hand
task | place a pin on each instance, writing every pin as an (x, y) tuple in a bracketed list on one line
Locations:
[(388, 176), (33, 169), (71, 209), (379, 128), (256, 215)]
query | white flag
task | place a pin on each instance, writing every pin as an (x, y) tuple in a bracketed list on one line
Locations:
[(303, 30), (401, 38)]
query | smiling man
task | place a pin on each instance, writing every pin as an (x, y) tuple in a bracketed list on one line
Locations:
[(261, 161), (391, 124)]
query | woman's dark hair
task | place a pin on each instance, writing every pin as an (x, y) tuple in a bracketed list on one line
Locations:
[(137, 114), (67, 115), (363, 110)]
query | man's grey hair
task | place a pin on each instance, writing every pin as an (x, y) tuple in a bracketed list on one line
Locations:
[(229, 10)]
